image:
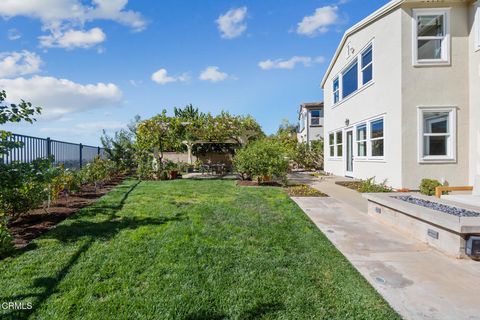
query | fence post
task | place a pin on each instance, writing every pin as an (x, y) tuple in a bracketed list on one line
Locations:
[(49, 147), (81, 155)]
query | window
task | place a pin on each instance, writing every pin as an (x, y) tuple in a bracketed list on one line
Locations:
[(336, 90), (437, 134), (358, 74), (376, 138), (350, 80), (315, 116), (339, 143), (431, 36), (335, 140), (362, 140), (331, 143), (367, 65)]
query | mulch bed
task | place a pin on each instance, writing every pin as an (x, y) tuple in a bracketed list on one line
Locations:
[(245, 183), (30, 226), (304, 191), (354, 185)]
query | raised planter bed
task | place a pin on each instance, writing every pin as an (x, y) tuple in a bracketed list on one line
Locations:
[(439, 223)]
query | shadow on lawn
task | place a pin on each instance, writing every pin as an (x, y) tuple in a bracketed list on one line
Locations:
[(259, 311), (91, 232)]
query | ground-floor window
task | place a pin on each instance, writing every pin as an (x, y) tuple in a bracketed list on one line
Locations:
[(377, 138), (339, 143), (437, 134), (335, 141), (370, 139), (362, 140)]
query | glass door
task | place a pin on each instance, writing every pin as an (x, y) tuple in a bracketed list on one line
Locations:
[(349, 153)]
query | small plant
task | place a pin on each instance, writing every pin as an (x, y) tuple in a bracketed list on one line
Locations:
[(369, 186), (427, 186)]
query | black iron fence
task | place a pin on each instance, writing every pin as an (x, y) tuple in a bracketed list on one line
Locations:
[(71, 155)]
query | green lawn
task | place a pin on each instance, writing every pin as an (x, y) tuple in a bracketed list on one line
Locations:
[(188, 250)]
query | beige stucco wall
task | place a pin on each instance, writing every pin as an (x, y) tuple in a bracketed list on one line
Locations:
[(383, 97), (435, 86), (474, 59)]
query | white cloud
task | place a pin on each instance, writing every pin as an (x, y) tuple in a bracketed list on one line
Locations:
[(14, 64), (161, 77), (231, 24), (319, 22), (13, 34), (60, 97), (73, 11), (290, 63), (65, 19), (213, 74), (71, 39)]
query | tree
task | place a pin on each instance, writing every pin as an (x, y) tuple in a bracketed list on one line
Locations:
[(262, 158), (12, 175), (121, 147), (14, 113), (187, 113)]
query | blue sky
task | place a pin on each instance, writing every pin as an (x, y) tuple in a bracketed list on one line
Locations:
[(96, 64)]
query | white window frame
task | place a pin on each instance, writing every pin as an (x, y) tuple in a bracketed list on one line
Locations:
[(338, 91), (357, 141), (370, 139), (330, 145), (335, 145), (362, 67), (445, 60), (357, 59), (339, 144), (451, 155), (312, 117), (477, 26)]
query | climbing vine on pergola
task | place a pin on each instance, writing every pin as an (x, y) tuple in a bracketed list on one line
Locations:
[(162, 132)]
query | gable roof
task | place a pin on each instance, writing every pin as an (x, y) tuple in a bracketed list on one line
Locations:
[(386, 9)]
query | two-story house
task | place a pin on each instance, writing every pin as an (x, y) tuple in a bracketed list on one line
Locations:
[(402, 95), (310, 122)]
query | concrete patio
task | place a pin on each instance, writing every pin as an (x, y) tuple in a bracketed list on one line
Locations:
[(418, 281)]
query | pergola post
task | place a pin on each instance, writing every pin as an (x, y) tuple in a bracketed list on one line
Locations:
[(189, 151)]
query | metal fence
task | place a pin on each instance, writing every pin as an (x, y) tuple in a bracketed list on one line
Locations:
[(71, 155)]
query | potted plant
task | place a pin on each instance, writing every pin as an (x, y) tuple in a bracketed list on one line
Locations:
[(172, 169)]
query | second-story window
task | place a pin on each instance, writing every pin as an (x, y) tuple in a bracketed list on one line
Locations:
[(358, 75), (350, 80), (315, 116), (431, 36), (367, 65), (336, 90)]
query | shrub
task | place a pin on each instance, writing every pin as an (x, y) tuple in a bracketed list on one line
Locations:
[(98, 171), (369, 186), (309, 156), (23, 186), (427, 186), (262, 158), (6, 238)]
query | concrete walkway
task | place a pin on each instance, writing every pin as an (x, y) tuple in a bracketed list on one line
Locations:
[(417, 281)]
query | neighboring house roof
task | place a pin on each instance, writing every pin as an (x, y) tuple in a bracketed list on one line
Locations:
[(386, 9), (309, 105)]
